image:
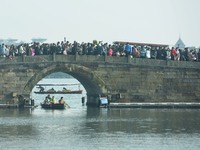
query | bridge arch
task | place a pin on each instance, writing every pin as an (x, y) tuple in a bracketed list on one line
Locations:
[(92, 83)]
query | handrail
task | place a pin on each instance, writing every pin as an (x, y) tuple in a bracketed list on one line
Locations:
[(99, 59)]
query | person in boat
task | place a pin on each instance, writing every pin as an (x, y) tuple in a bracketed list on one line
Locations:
[(52, 89), (61, 101), (47, 99), (64, 89), (53, 100), (41, 88)]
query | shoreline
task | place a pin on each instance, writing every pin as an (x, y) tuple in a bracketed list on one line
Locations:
[(167, 105), (170, 105)]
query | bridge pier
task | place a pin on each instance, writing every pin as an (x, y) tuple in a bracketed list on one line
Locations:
[(92, 100)]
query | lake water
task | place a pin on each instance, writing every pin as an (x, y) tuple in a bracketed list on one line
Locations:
[(82, 128)]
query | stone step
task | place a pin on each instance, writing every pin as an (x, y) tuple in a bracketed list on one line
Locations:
[(8, 106)]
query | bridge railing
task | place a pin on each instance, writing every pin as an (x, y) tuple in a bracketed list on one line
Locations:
[(167, 63), (63, 58), (100, 59)]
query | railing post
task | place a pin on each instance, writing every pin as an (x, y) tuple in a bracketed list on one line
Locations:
[(54, 57), (23, 58), (76, 56), (167, 62), (105, 58), (136, 61), (129, 58)]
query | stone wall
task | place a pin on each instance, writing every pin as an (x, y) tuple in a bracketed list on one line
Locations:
[(122, 79), (152, 84)]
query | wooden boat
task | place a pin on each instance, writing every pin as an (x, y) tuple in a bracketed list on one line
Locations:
[(53, 106), (52, 91), (60, 92)]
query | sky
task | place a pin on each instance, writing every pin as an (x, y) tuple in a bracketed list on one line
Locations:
[(147, 21)]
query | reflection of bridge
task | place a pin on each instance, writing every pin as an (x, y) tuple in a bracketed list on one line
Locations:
[(123, 79)]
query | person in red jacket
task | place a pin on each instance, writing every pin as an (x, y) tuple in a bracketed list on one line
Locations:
[(110, 51), (173, 53)]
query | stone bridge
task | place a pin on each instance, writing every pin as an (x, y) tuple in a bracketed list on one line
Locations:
[(122, 79)]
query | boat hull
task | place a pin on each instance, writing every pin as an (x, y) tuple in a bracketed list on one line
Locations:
[(53, 106), (60, 92)]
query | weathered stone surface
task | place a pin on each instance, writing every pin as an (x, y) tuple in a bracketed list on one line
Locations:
[(141, 80)]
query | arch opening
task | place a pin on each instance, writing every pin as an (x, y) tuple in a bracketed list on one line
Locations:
[(91, 84), (63, 85)]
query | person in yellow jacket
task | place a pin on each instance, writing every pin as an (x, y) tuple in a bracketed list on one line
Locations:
[(53, 100)]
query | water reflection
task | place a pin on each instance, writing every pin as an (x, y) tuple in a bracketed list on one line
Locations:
[(15, 112), (140, 121), (86, 128), (16, 122)]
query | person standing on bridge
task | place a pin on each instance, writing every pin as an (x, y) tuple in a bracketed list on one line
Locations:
[(3, 50), (128, 49), (32, 50), (110, 50)]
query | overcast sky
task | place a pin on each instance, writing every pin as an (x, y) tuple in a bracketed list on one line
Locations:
[(150, 21)]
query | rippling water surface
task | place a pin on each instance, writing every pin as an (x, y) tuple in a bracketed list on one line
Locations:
[(82, 128)]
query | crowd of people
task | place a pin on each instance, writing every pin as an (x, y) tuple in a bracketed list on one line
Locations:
[(99, 48)]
